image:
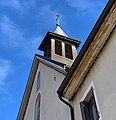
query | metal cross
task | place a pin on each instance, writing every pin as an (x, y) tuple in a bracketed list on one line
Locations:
[(57, 20)]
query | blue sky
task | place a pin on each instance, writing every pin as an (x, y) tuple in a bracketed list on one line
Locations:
[(23, 25)]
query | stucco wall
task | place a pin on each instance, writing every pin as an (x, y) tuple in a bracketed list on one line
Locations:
[(103, 75), (51, 108)]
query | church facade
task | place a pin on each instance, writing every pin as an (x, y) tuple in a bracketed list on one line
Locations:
[(65, 86)]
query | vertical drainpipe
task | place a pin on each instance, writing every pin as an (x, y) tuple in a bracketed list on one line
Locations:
[(69, 105)]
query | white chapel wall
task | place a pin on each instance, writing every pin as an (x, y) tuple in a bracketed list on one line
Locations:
[(103, 75), (51, 108)]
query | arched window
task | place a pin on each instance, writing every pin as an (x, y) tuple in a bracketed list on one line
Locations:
[(37, 107)]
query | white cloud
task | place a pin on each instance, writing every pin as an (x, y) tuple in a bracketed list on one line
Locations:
[(20, 5), (32, 48), (11, 3), (47, 14), (85, 6), (10, 32), (5, 69), (13, 37)]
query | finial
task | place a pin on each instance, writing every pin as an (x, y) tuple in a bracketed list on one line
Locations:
[(57, 20)]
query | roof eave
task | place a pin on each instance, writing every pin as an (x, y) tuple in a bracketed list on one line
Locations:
[(55, 35), (85, 47)]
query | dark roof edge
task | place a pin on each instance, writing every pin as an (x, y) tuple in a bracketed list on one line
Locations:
[(55, 35), (85, 46), (66, 37), (54, 65), (52, 61)]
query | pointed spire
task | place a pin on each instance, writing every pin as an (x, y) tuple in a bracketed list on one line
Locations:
[(58, 29)]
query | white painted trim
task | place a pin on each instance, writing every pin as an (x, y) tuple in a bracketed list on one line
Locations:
[(87, 91)]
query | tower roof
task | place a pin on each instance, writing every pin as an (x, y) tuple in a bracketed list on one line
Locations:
[(60, 31), (57, 34)]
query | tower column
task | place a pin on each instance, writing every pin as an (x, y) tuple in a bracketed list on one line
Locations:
[(74, 52), (52, 48), (63, 50)]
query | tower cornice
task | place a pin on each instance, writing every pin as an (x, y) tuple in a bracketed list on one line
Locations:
[(57, 36)]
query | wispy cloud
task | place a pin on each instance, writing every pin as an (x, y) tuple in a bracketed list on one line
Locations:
[(86, 6), (20, 5), (10, 32), (5, 69), (47, 14), (32, 48), (13, 37), (11, 3)]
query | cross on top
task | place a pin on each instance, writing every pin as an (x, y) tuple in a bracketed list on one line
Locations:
[(57, 20)]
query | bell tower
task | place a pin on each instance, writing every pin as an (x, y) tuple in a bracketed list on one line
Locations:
[(59, 47)]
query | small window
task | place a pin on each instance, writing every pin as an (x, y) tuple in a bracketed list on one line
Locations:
[(38, 81), (38, 113), (37, 108), (68, 51), (58, 47), (88, 107)]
